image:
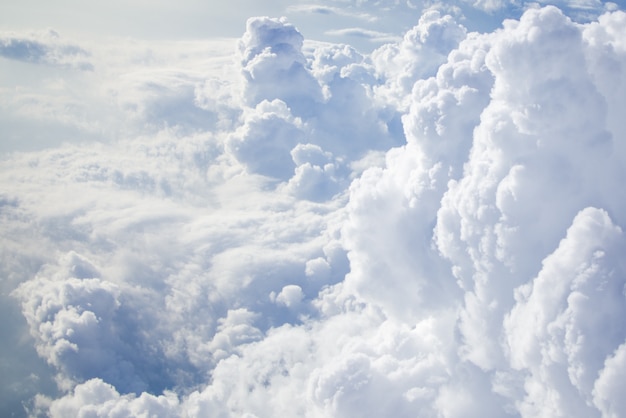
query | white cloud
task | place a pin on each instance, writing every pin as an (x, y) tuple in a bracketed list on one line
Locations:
[(371, 35), (290, 296), (273, 64), (606, 390), (44, 48), (526, 179), (563, 323), (133, 87), (300, 229), (317, 176), (489, 5), (99, 398), (418, 56), (329, 10), (264, 142)]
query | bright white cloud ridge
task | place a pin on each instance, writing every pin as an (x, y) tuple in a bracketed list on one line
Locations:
[(281, 227)]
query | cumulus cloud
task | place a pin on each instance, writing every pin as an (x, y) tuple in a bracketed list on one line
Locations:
[(317, 176), (563, 324), (418, 56), (489, 238), (264, 142), (523, 147), (329, 103), (273, 64), (433, 227), (99, 398)]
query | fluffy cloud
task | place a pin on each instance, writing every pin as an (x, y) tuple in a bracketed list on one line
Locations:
[(418, 56), (101, 399), (563, 324), (330, 96), (243, 251), (606, 389), (273, 64), (525, 180), (264, 142), (500, 202), (317, 175)]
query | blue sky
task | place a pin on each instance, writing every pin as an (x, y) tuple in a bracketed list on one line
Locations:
[(343, 208)]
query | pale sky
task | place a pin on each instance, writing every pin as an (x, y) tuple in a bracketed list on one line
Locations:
[(196, 19)]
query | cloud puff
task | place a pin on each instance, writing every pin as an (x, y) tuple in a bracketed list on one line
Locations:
[(515, 170), (606, 389), (290, 296), (418, 56), (273, 64), (329, 104), (505, 224), (255, 267), (317, 176), (264, 142), (563, 324), (86, 327), (100, 398), (407, 194)]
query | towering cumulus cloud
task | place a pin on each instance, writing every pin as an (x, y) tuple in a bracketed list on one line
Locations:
[(434, 229)]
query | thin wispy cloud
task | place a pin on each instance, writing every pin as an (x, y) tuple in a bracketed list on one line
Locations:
[(43, 48), (371, 35), (330, 10)]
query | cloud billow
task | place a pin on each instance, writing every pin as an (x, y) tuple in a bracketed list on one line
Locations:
[(433, 229), (274, 66)]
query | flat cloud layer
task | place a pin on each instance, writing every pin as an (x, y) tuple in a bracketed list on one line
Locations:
[(294, 228)]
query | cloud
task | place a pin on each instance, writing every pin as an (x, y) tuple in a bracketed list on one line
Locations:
[(489, 6), (87, 327), (44, 48), (434, 227), (273, 63), (100, 398), (418, 56), (489, 239), (605, 392), (290, 296), (134, 89), (329, 10), (561, 324), (371, 35), (317, 176), (264, 141)]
